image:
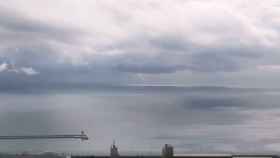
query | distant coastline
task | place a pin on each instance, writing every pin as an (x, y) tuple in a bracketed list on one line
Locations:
[(45, 87)]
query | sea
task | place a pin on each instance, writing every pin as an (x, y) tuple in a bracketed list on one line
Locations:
[(141, 119)]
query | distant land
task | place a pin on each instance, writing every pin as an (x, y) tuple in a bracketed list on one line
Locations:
[(44, 87)]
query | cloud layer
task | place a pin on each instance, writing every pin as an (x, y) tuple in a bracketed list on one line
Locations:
[(166, 41)]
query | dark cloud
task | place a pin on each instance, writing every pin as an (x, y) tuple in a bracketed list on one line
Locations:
[(15, 27), (149, 69), (213, 103), (214, 62), (171, 53), (172, 43), (206, 60)]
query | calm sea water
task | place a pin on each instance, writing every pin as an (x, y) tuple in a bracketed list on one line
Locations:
[(141, 122)]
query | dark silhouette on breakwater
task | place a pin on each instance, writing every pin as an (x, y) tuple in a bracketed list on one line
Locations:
[(168, 152)]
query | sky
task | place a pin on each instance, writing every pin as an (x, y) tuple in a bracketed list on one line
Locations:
[(155, 42)]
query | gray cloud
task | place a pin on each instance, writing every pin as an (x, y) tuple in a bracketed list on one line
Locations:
[(149, 69), (21, 29), (137, 38), (214, 62)]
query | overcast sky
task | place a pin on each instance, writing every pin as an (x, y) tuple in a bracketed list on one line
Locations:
[(178, 42)]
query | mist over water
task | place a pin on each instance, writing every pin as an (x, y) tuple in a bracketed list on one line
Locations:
[(142, 121)]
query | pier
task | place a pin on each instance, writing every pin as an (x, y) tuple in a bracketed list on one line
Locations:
[(81, 136)]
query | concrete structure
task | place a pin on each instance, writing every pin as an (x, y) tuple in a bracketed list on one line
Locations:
[(114, 153), (167, 151), (81, 136)]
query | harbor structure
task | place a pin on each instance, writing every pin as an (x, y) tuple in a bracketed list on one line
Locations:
[(167, 151), (114, 153)]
